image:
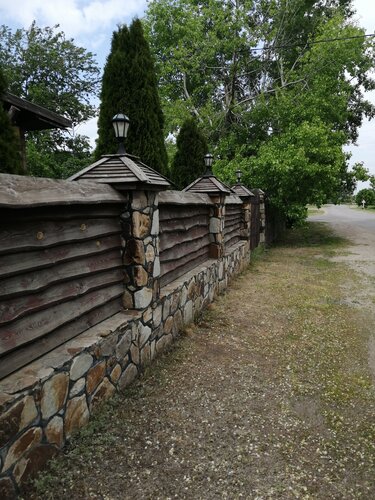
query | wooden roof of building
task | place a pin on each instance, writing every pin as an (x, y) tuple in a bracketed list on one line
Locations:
[(122, 171), (208, 184), (31, 116), (242, 191)]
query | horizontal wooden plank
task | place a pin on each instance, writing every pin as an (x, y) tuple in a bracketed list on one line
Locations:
[(16, 263), (41, 323), (168, 212), (17, 308), (169, 240), (171, 197), (39, 280), (14, 360), (175, 272), (173, 225), (71, 212), (23, 191), (30, 236), (184, 249)]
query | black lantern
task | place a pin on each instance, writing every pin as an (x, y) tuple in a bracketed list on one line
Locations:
[(208, 161), (238, 175), (120, 123)]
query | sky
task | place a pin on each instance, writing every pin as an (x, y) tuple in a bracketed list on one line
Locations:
[(91, 23)]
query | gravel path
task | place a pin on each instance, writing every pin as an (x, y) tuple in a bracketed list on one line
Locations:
[(268, 397)]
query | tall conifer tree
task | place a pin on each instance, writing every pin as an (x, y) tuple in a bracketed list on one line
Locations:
[(188, 163), (10, 160), (130, 87)]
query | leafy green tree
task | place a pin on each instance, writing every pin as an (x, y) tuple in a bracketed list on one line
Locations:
[(44, 67), (10, 161), (282, 113), (188, 162), (130, 86), (368, 195)]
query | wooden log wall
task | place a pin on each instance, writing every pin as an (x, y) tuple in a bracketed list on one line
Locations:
[(184, 239), (60, 274), (233, 224)]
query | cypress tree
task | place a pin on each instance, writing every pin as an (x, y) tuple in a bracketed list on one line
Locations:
[(10, 161), (188, 162), (130, 87), (115, 91)]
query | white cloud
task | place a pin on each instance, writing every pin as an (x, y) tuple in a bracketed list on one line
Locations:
[(75, 17)]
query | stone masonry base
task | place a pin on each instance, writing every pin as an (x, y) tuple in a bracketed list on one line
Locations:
[(44, 403)]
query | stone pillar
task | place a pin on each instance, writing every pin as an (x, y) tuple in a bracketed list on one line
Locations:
[(246, 218), (140, 227), (217, 220)]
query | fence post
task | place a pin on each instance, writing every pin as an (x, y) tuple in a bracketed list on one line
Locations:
[(140, 225), (217, 221)]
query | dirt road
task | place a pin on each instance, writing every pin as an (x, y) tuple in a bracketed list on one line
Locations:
[(358, 226)]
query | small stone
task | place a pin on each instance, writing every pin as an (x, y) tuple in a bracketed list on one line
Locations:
[(7, 489), (166, 308), (142, 298), (188, 313), (153, 349), (128, 376), (103, 392), (144, 335), (54, 394), (168, 325), (175, 302), (183, 296), (140, 276), (55, 431), (150, 253), (80, 365), (127, 300), (134, 253), (192, 289), (177, 323), (155, 223), (156, 271), (32, 462), (76, 415), (123, 346), (10, 422), (139, 200), (29, 413), (24, 442), (108, 346), (94, 376), (77, 388), (215, 225), (157, 315), (141, 225), (147, 315), (163, 343), (134, 354), (116, 373)]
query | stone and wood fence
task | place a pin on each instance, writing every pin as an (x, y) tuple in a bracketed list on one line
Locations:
[(97, 278)]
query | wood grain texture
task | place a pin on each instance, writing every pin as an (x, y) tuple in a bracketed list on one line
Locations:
[(44, 322), (28, 353), (21, 191), (16, 308), (34, 235), (42, 279), (171, 270), (182, 198), (17, 263)]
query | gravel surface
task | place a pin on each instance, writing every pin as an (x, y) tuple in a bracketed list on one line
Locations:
[(269, 396)]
